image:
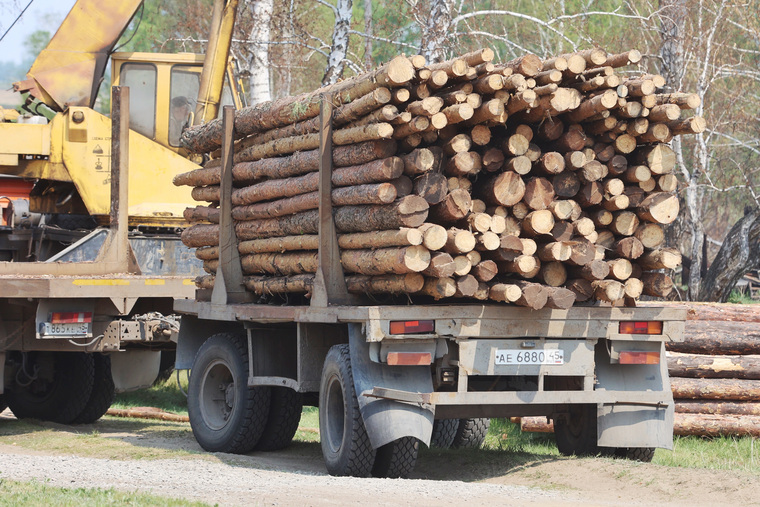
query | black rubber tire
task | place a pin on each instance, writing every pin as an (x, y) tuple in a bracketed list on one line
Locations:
[(444, 431), (225, 414), (58, 396), (471, 433), (396, 460), (3, 405), (103, 391), (73, 222), (345, 443), (576, 432), (643, 454), (284, 415)]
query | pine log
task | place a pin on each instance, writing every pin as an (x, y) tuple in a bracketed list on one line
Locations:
[(566, 184), (716, 425), (538, 222), (385, 284), (657, 284), (660, 158), (403, 185), (625, 223), (506, 292), (464, 164), (634, 288), (431, 186), (629, 248), (438, 288), (659, 208), (719, 338), (379, 193), (462, 264), (665, 258), (718, 407), (608, 290), (594, 270), (453, 208), (412, 259), (279, 285), (421, 160), (434, 236), (554, 251), (457, 144), (620, 269), (459, 241), (201, 235), (667, 183), (551, 162), (533, 295), (590, 194), (379, 239), (520, 165), (466, 286), (505, 189), (202, 214), (711, 366), (493, 161), (485, 270), (715, 389), (582, 289), (554, 274), (441, 266), (560, 298), (539, 193), (287, 110)]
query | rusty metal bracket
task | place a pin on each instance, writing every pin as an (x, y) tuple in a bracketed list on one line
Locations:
[(228, 283), (329, 282)]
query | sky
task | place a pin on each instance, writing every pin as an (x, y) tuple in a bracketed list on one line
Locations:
[(41, 15)]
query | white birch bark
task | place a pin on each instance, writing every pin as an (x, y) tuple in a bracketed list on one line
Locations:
[(258, 64), (336, 59)]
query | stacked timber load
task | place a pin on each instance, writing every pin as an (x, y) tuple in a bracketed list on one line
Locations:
[(533, 182), (715, 371)]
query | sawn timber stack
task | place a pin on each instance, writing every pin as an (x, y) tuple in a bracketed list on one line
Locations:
[(531, 182)]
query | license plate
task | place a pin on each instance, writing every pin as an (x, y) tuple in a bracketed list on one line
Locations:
[(511, 357), (68, 329)]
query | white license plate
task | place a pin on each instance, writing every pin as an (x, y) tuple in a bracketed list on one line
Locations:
[(68, 329), (511, 357)]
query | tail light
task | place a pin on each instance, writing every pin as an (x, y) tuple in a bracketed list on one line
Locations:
[(412, 326), (70, 317), (640, 327), (631, 357)]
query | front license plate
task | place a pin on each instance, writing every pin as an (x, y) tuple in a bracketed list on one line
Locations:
[(68, 329), (511, 357)]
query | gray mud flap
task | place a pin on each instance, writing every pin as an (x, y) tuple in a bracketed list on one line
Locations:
[(388, 420)]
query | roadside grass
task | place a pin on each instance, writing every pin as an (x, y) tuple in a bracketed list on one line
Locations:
[(741, 297), (34, 493), (718, 453)]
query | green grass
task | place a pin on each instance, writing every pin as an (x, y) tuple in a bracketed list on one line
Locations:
[(34, 493), (166, 395), (718, 453), (741, 297)]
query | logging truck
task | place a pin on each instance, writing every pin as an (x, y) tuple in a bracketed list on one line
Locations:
[(89, 271), (387, 378)]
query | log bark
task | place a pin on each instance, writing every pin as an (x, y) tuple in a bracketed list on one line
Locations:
[(718, 407), (716, 425), (718, 338), (715, 389), (431, 186), (745, 367), (506, 292), (385, 261)]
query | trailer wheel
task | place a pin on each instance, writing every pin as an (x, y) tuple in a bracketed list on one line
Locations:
[(396, 460), (225, 414), (345, 443), (3, 405), (643, 454), (576, 433), (471, 433), (103, 391), (52, 386), (284, 416), (444, 431)]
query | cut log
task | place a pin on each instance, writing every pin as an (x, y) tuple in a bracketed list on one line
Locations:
[(718, 407), (379, 239), (659, 208), (533, 295), (466, 286), (554, 251), (438, 288), (633, 288), (620, 269), (464, 164), (459, 241), (412, 259), (552, 162), (485, 270), (625, 223), (566, 184), (431, 186), (421, 160), (581, 288), (506, 189), (520, 165), (539, 193), (711, 366), (716, 425), (441, 266), (560, 298), (538, 222), (434, 236), (664, 258), (506, 292), (201, 235), (462, 265), (554, 274), (453, 208), (629, 248), (718, 338), (657, 284), (594, 270), (660, 158), (385, 284), (493, 160), (715, 389), (608, 290)]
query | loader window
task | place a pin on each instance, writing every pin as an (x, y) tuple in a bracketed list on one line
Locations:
[(186, 82), (141, 79)]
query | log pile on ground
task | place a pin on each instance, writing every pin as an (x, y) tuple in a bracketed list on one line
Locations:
[(715, 373), (539, 183)]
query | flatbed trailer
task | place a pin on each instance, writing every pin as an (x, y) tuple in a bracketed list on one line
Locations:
[(389, 377)]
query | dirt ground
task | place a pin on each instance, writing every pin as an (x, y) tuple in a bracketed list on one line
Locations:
[(296, 476)]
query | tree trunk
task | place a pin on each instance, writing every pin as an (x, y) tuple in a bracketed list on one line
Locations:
[(739, 253), (258, 64), (718, 407), (704, 366), (716, 425), (715, 389)]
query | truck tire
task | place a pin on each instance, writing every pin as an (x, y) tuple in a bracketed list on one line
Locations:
[(103, 391), (396, 460), (284, 415), (643, 454), (576, 433), (444, 431), (225, 414), (471, 433), (59, 392), (3, 405), (345, 443)]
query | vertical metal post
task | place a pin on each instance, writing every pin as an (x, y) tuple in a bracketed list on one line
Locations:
[(329, 282), (228, 283)]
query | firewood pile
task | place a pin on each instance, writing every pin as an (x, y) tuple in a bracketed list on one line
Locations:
[(715, 373), (539, 183)]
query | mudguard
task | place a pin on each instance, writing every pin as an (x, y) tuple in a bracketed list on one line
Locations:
[(388, 420)]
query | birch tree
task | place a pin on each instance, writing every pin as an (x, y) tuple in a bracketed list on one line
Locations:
[(336, 58), (258, 62)]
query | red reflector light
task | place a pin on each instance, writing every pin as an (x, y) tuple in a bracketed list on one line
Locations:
[(409, 358), (641, 327), (412, 326), (70, 317), (639, 358)]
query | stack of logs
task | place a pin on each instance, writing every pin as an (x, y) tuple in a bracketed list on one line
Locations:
[(533, 182), (715, 373)]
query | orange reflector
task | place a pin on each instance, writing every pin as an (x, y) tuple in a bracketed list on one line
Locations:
[(412, 326), (409, 358), (70, 317), (641, 327), (639, 358)]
